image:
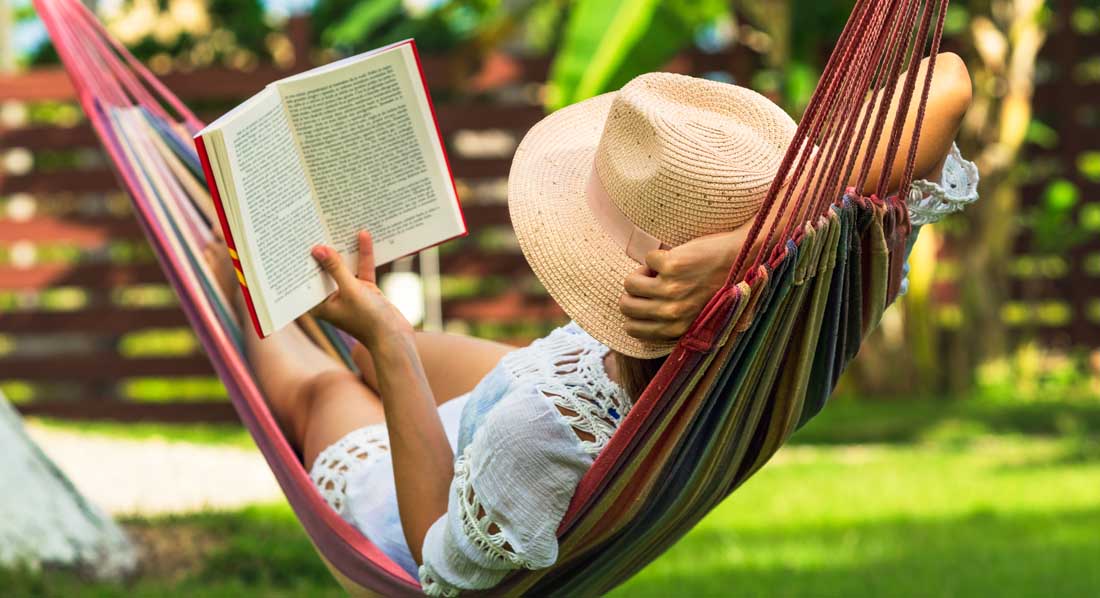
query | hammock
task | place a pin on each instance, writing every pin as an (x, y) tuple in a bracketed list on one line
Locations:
[(761, 359)]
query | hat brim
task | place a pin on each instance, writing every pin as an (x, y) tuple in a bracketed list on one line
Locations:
[(579, 264)]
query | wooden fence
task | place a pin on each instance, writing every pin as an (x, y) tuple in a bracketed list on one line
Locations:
[(89, 327), (1054, 287)]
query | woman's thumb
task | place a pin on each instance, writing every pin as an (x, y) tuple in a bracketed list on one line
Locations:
[(331, 263)]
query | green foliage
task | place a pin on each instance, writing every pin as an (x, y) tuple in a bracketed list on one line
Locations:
[(1033, 375), (352, 26), (1051, 222), (1088, 164), (956, 20), (609, 42), (543, 25), (243, 18), (365, 18), (815, 27), (1042, 134)]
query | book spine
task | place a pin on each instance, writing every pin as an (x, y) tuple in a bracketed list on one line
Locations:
[(208, 172)]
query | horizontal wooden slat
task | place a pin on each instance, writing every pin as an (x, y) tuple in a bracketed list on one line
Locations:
[(106, 276), (85, 275), (510, 306), (51, 83), (113, 410), (99, 320), (81, 231), (451, 116), (90, 232), (102, 367), (100, 180), (469, 263)]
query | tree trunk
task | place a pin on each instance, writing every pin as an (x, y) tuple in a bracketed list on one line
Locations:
[(46, 523), (1003, 50)]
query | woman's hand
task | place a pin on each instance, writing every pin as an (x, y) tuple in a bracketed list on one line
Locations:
[(358, 306), (422, 458), (664, 297)]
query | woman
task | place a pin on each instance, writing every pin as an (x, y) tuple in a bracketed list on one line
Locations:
[(457, 456)]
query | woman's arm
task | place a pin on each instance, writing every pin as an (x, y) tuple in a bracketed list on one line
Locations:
[(422, 459), (948, 101), (663, 297)]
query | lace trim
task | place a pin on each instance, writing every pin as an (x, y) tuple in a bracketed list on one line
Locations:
[(429, 582), (958, 187), (567, 367), (356, 449), (477, 526)]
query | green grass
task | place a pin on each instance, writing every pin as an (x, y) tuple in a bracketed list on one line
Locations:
[(1005, 516), (888, 499)]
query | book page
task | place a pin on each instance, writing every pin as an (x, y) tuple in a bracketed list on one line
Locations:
[(372, 153), (277, 212)]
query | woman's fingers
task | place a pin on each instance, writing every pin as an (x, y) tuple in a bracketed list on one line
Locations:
[(655, 331), (640, 284), (365, 269), (331, 263), (638, 308)]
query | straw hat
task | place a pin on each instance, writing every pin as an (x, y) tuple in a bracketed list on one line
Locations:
[(597, 185)]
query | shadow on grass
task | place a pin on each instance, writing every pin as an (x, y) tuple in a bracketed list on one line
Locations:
[(258, 551), (848, 421), (981, 554)]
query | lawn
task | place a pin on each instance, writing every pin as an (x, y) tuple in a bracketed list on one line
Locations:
[(896, 499)]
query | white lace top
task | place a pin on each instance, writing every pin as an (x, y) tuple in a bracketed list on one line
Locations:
[(929, 201), (529, 432)]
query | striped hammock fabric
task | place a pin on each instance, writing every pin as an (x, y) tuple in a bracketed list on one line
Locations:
[(759, 362)]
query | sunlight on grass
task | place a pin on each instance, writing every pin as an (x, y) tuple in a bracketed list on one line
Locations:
[(216, 434), (1006, 516)]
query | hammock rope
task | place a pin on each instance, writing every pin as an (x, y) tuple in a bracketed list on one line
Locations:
[(759, 362)]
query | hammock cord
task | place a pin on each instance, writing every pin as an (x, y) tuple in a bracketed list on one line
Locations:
[(879, 40)]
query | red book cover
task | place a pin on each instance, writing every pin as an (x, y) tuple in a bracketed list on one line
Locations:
[(213, 186)]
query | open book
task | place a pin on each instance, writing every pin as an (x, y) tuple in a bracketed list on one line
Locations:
[(317, 157)]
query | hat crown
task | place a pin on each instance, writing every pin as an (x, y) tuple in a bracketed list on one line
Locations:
[(683, 157)]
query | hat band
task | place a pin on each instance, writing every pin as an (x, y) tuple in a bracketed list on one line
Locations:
[(633, 240)]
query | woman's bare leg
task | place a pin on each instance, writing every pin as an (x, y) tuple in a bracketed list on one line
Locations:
[(454, 364), (315, 399)]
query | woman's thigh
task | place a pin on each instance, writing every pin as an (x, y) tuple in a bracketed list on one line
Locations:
[(332, 405), (453, 363)]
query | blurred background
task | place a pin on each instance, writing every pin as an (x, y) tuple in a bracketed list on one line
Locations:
[(960, 455)]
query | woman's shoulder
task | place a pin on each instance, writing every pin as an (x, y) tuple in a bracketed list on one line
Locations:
[(550, 356), (561, 375)]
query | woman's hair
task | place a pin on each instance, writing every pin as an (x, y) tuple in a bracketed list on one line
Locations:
[(635, 373)]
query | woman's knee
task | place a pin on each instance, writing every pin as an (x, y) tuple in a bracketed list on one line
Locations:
[(331, 392)]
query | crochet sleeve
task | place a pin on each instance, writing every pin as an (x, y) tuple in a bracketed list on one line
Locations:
[(929, 201), (512, 485)]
